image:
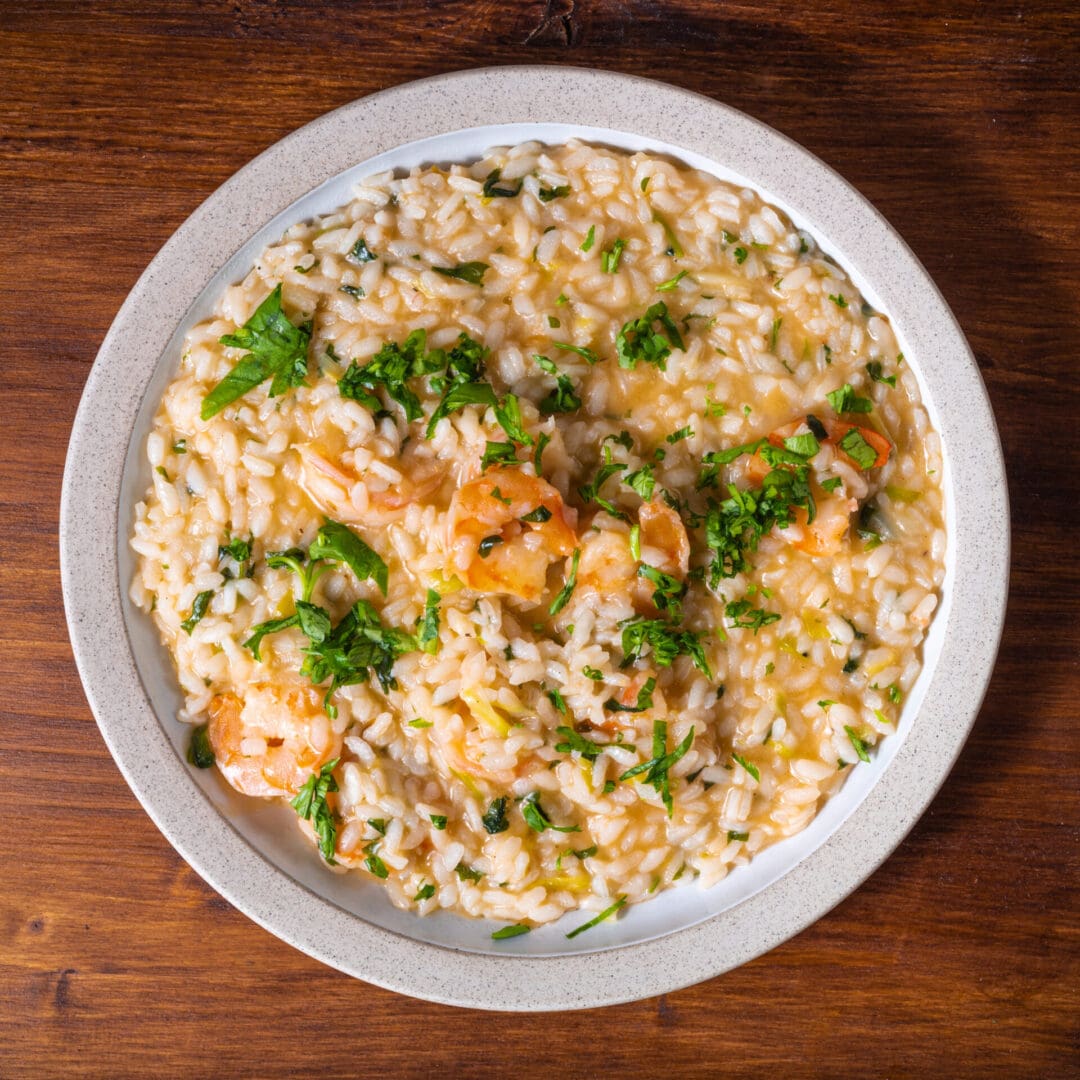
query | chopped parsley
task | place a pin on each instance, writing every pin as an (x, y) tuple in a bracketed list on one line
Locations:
[(439, 821), (641, 637), (572, 742), (200, 753), (277, 349), (353, 290), (391, 368), (644, 699), (508, 414), (420, 723), (746, 617), (467, 873), (310, 803), (586, 354), (832, 483), (492, 190), (610, 259), (495, 819), (198, 610), (740, 254), (857, 743), (640, 340), (425, 892), (590, 239), (428, 637), (542, 441), (548, 193), (735, 835), (876, 373), (838, 300), (335, 542), (858, 449), (592, 673), (361, 253), (678, 436), (844, 400), (562, 399), (376, 866), (671, 283), (487, 544), (567, 590), (556, 699), (518, 928), (458, 397), (470, 272), (643, 481), (537, 820), (499, 453), (657, 767), (537, 516), (620, 902), (749, 766), (669, 590)]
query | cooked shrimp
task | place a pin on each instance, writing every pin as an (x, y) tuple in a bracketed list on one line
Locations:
[(489, 545), (270, 743), (825, 534), (348, 498), (608, 566)]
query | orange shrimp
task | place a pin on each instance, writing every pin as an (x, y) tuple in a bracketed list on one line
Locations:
[(344, 496), (269, 744), (489, 545)]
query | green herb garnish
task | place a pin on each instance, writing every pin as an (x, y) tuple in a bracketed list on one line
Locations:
[(200, 753), (198, 610), (644, 699), (639, 340), (657, 767), (567, 590), (493, 191), (518, 928), (471, 272), (605, 914), (610, 259), (310, 804), (537, 820), (495, 819), (857, 743)]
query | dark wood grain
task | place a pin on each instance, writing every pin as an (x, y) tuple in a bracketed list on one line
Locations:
[(959, 957)]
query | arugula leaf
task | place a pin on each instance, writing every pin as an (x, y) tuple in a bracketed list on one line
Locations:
[(663, 642), (518, 928), (747, 617), (537, 820), (498, 453), (428, 638), (493, 191), (508, 414), (586, 354), (640, 341), (858, 449), (605, 914), (563, 398), (844, 400), (610, 259), (470, 272), (200, 753), (567, 590), (310, 804), (198, 610), (669, 592), (495, 819), (589, 750), (277, 350), (339, 543), (657, 767), (644, 699), (547, 194)]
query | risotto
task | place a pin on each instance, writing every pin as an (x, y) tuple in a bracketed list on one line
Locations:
[(547, 531)]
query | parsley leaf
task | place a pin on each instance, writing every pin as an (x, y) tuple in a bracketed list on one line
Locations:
[(310, 804), (198, 610), (586, 354), (495, 819), (876, 372), (858, 744), (657, 767), (844, 400), (537, 820), (746, 617), (643, 481), (749, 766), (639, 340), (605, 914), (548, 193), (669, 591), (493, 191), (671, 283), (518, 928), (425, 892), (644, 699), (466, 873), (339, 543), (663, 642), (567, 590), (499, 453), (563, 398), (470, 272), (428, 638), (858, 449), (590, 239), (277, 350), (610, 259), (573, 742), (458, 397), (361, 253), (390, 368), (508, 414), (200, 753)]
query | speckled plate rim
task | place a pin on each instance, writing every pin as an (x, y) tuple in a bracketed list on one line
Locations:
[(815, 196)]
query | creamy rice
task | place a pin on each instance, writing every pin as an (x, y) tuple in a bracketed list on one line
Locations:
[(454, 787)]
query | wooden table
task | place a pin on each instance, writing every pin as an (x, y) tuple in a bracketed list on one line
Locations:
[(959, 956)]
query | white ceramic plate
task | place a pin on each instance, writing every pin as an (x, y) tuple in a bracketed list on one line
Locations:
[(250, 852)]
